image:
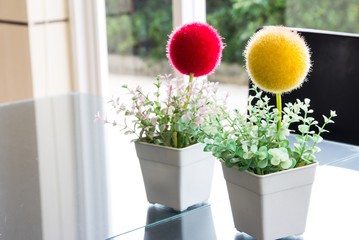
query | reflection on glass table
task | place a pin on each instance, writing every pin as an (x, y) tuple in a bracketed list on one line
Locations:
[(52, 183), (333, 213), (62, 176)]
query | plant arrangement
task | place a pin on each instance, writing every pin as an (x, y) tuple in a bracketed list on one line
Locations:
[(277, 60), (158, 117)]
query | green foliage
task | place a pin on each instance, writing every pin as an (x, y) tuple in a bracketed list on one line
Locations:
[(253, 141), (138, 27), (331, 15), (161, 116)]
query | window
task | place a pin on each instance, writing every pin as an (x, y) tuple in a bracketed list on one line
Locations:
[(137, 33), (237, 20)]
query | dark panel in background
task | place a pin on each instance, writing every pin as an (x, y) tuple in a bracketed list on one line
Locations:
[(333, 83)]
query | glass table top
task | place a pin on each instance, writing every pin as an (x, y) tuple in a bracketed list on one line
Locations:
[(64, 176)]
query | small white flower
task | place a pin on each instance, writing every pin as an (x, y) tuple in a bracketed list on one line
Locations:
[(260, 103), (304, 107), (154, 120), (253, 119), (264, 123), (266, 98)]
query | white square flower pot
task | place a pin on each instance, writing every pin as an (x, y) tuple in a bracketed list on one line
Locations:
[(270, 206), (176, 178)]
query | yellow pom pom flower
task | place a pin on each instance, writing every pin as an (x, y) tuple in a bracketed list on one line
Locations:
[(277, 59)]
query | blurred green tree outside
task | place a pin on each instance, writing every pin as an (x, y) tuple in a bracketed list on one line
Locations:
[(141, 27), (138, 27), (332, 15)]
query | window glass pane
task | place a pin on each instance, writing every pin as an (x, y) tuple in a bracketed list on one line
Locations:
[(137, 33), (237, 20), (333, 15)]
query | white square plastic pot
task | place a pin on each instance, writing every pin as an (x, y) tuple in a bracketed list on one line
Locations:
[(270, 206), (176, 177)]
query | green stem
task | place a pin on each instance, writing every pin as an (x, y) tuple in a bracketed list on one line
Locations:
[(279, 107), (188, 88)]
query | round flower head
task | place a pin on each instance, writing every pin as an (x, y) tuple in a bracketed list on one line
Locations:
[(277, 59), (195, 48)]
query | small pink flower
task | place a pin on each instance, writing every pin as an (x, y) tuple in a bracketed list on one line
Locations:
[(226, 98), (98, 117), (204, 110), (182, 99), (152, 135), (215, 111), (188, 116), (141, 100), (199, 120), (191, 85), (154, 120), (201, 102), (144, 117), (169, 91)]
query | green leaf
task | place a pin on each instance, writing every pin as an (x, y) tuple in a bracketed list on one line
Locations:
[(316, 149), (216, 154), (240, 152), (208, 148), (284, 143), (254, 148), (215, 148), (299, 138), (178, 127), (303, 128), (317, 138), (217, 139), (308, 158), (234, 160), (231, 145), (294, 162), (158, 142), (263, 163), (228, 164), (227, 155), (243, 168)]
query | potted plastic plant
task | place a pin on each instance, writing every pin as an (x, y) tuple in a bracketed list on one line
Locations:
[(268, 179), (176, 171)]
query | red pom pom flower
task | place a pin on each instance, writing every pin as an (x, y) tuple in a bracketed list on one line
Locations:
[(195, 49)]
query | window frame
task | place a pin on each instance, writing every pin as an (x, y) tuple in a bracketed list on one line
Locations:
[(89, 45)]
